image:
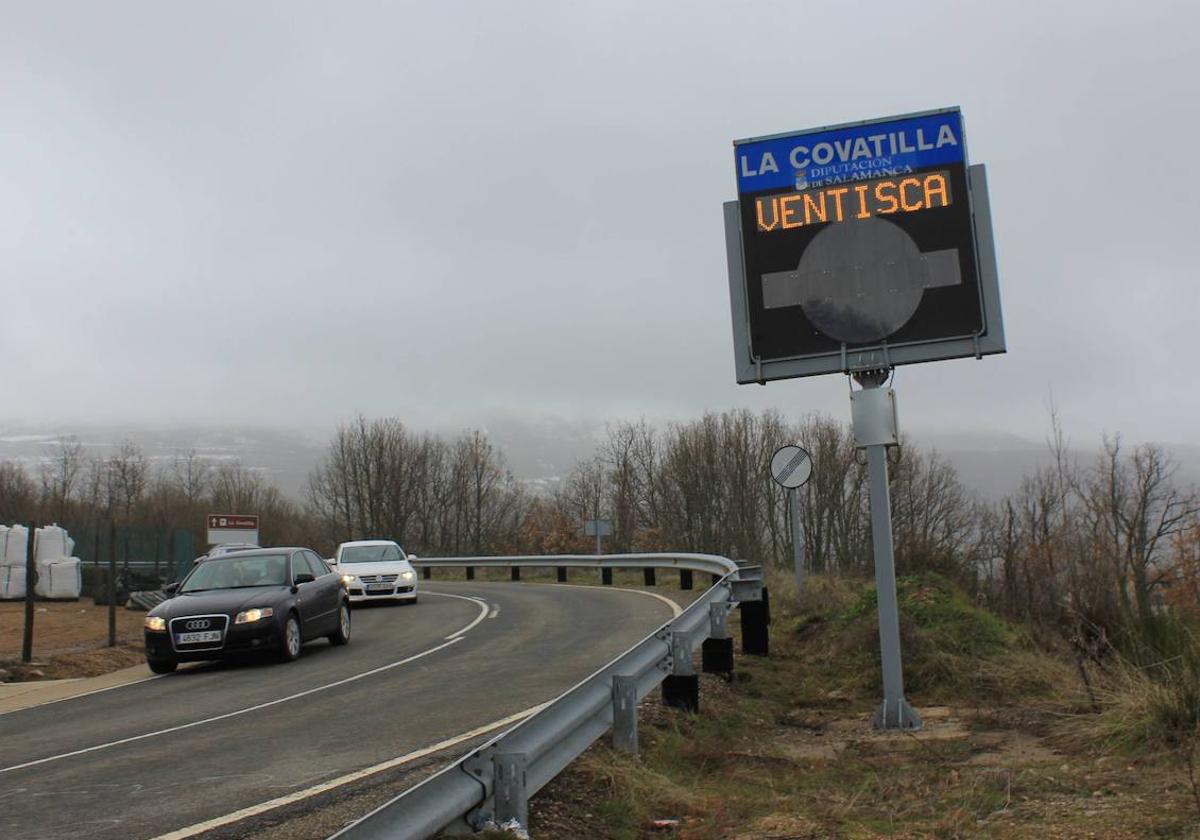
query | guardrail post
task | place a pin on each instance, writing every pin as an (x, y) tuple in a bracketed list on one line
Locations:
[(606, 577), (470, 573), (685, 578), (716, 653), (511, 800), (756, 615), (648, 577), (562, 574), (516, 575), (681, 688), (427, 573), (625, 737)]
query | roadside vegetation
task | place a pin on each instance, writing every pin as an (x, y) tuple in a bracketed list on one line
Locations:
[(1015, 744)]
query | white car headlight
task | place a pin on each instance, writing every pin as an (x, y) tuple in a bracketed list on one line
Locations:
[(407, 575), (154, 622), (251, 616), (348, 579)]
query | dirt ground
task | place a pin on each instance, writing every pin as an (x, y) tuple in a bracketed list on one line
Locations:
[(824, 774), (70, 639)]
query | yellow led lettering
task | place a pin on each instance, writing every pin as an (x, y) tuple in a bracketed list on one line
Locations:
[(785, 211), (904, 202), (863, 212), (861, 200), (935, 185), (811, 208), (774, 214), (837, 198), (888, 202)]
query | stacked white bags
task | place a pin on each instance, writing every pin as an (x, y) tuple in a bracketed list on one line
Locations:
[(12, 545), (51, 543), (12, 582), (58, 572), (12, 561), (59, 579)]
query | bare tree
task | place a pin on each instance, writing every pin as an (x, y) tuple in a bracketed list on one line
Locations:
[(61, 471), (18, 499), (126, 473), (191, 475)]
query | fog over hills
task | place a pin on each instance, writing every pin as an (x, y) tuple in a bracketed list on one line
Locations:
[(539, 450)]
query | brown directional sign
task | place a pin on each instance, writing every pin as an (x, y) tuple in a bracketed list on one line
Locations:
[(233, 521)]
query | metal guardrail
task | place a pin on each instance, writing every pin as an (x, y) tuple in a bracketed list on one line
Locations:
[(710, 563), (495, 780)]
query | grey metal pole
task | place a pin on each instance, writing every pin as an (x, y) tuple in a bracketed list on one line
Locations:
[(797, 539), (894, 712)]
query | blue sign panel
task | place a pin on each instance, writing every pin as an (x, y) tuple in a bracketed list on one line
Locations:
[(855, 152)]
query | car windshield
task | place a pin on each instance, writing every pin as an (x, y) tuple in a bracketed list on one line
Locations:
[(236, 572), (369, 554)]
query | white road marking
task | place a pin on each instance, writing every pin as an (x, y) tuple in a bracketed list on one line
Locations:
[(495, 611), (676, 610), (253, 810), (483, 611), (237, 712)]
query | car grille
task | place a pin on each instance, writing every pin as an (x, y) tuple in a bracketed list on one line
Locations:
[(378, 578), (192, 624)]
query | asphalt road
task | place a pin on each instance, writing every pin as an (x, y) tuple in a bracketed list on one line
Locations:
[(156, 756)]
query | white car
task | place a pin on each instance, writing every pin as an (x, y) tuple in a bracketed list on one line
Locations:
[(376, 570)]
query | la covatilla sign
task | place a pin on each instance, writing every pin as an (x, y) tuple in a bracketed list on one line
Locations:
[(860, 246)]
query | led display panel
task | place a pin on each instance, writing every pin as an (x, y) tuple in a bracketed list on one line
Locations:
[(857, 247)]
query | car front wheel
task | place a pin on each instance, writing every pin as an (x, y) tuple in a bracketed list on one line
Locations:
[(162, 666), (290, 649), (342, 634)]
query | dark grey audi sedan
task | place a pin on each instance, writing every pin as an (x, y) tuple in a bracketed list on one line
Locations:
[(266, 599)]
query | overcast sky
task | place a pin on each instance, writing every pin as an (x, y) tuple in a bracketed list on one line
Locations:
[(285, 213)]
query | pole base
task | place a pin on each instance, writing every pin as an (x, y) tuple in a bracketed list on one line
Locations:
[(716, 656), (896, 715), (682, 692)]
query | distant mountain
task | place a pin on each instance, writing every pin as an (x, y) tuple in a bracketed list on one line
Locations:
[(283, 456), (541, 451)]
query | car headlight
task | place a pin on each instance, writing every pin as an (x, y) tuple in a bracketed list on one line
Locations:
[(407, 575), (251, 616), (155, 622), (348, 579)]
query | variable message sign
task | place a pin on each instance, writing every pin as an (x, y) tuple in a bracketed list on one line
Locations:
[(860, 246)]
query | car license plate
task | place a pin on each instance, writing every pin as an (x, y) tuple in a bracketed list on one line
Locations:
[(380, 587), (193, 638)]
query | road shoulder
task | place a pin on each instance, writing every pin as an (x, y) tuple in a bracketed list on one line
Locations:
[(25, 695)]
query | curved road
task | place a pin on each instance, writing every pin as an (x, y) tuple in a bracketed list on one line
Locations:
[(155, 756)]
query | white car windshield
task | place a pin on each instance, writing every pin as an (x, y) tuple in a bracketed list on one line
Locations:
[(370, 554), (237, 572)]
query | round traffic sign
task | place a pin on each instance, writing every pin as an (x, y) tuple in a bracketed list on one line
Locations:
[(791, 466)]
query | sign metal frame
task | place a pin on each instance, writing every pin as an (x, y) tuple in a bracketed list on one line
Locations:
[(880, 355)]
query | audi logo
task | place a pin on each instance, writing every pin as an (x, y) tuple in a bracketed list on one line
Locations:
[(197, 624)]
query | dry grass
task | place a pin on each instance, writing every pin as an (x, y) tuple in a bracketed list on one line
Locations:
[(785, 751)]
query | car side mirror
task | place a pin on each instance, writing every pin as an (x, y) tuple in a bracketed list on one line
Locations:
[(412, 557), (171, 589), (304, 577)]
